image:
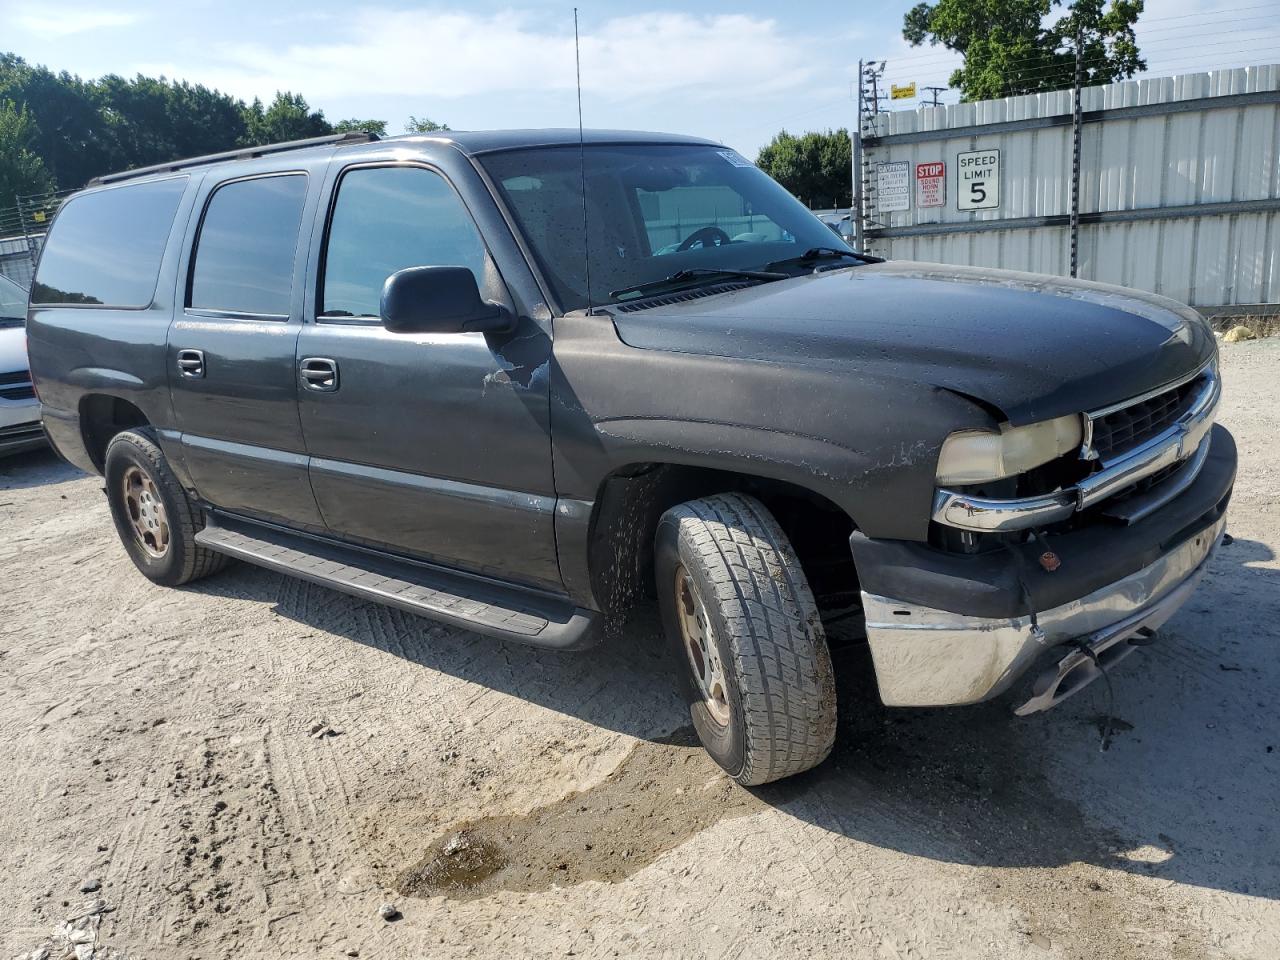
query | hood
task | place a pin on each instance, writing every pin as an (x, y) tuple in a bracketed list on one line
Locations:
[(13, 349), (1034, 347)]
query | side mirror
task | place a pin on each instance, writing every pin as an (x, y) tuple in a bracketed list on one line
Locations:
[(440, 300)]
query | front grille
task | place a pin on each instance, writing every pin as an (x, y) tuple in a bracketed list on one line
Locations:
[(16, 386), (23, 431), (1123, 430)]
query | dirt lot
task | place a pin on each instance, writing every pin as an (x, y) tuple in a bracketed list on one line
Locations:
[(251, 766)]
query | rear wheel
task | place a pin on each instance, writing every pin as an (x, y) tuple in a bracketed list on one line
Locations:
[(155, 519), (749, 645)]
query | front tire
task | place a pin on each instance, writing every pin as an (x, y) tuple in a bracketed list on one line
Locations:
[(155, 519), (751, 651)]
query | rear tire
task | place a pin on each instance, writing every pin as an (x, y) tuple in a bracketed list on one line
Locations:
[(155, 519), (751, 651)]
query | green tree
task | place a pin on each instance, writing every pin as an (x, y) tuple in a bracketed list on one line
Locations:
[(814, 166), (72, 136), (377, 127), (1013, 46), (201, 120), (423, 125), (21, 172), (288, 118)]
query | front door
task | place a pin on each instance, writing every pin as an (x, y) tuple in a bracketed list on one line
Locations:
[(431, 445), (232, 345)]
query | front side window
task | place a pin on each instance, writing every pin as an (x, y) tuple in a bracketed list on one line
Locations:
[(244, 255), (106, 246), (652, 210), (387, 219)]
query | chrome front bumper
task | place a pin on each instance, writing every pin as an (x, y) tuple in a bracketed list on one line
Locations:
[(1182, 441), (929, 657)]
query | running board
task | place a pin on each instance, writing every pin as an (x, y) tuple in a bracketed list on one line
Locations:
[(473, 603)]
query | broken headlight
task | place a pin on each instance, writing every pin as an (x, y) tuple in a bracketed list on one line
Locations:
[(978, 456)]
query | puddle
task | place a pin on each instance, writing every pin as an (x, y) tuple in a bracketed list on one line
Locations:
[(660, 795)]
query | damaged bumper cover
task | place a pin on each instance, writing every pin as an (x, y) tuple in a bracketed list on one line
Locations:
[(949, 629)]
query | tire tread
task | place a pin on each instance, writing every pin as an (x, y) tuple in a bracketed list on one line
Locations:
[(779, 652)]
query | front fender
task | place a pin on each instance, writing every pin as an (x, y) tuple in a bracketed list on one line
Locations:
[(868, 444)]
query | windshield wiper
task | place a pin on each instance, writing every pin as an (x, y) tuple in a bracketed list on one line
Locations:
[(826, 253), (683, 276)]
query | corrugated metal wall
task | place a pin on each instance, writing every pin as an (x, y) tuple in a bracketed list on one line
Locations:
[(1180, 195)]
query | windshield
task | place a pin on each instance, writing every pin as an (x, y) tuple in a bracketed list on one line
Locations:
[(652, 211), (13, 303)]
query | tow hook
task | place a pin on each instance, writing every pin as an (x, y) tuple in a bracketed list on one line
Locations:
[(1143, 638)]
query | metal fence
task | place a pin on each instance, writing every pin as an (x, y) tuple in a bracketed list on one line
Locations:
[(1179, 184), (22, 230)]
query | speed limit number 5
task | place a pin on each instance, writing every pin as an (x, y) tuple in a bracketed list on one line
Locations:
[(979, 187)]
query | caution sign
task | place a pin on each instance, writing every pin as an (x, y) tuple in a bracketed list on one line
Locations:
[(931, 184), (905, 92), (978, 174), (893, 186)]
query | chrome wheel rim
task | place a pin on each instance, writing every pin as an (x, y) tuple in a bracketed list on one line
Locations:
[(146, 513), (700, 649)]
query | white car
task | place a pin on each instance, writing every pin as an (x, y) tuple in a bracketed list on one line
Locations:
[(20, 427)]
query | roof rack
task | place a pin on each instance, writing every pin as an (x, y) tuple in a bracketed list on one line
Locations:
[(245, 153)]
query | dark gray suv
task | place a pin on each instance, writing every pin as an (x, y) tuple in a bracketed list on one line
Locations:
[(514, 382)]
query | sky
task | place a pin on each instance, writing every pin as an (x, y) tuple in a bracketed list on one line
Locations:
[(737, 72)]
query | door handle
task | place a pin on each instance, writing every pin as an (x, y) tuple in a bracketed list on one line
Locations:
[(191, 363), (319, 374)]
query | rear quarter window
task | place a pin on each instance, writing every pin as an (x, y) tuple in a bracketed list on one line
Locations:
[(105, 247)]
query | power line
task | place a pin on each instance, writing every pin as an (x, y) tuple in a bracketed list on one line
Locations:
[(1146, 25), (895, 71), (1164, 69)]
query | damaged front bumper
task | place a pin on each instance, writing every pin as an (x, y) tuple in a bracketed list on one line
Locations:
[(946, 629)]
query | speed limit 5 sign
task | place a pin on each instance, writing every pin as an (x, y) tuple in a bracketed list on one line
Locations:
[(978, 180)]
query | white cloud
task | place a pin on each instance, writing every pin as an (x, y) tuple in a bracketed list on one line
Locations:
[(72, 20), (452, 54)]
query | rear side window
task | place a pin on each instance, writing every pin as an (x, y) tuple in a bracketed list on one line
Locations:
[(105, 247), (385, 220), (245, 252)]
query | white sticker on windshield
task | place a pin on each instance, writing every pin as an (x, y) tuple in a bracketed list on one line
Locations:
[(734, 157)]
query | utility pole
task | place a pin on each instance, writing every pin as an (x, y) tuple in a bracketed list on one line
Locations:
[(855, 211), (869, 97), (875, 70), (1075, 159), (934, 91)]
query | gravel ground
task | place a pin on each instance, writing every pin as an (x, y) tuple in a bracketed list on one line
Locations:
[(253, 767)]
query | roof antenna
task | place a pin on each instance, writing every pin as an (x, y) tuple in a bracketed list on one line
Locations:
[(582, 161)]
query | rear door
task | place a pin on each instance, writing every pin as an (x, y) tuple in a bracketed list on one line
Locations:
[(433, 445), (232, 345)]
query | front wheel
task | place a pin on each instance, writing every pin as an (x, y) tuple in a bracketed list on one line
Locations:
[(750, 648)]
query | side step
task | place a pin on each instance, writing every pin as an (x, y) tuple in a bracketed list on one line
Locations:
[(472, 603)]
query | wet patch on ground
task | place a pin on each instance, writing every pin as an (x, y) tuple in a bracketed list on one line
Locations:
[(662, 794)]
